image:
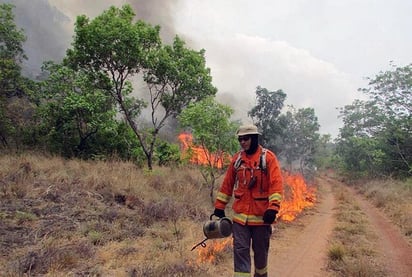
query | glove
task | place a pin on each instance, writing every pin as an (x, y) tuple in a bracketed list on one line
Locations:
[(269, 216), (219, 213)]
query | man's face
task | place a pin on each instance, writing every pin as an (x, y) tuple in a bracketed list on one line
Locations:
[(245, 141)]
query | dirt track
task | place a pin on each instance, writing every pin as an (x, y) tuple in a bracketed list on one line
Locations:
[(302, 250)]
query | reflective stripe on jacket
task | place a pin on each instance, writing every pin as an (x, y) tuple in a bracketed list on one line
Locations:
[(251, 199)]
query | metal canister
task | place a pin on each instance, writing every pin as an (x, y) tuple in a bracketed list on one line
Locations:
[(216, 229)]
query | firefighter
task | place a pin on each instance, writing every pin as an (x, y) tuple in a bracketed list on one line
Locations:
[(254, 179)]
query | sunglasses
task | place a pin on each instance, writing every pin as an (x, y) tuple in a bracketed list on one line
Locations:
[(243, 138)]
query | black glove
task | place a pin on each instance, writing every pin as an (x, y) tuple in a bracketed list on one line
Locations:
[(219, 213), (269, 216)]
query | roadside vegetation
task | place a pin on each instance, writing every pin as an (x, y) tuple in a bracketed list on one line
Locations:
[(352, 248)]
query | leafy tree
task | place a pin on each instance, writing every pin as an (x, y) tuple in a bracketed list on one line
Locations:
[(11, 55), (176, 76), (73, 110), (391, 93), (300, 138), (324, 153), (115, 48), (213, 131), (266, 116), (168, 153), (11, 51), (379, 129)]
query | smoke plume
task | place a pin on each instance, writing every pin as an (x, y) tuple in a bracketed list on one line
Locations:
[(49, 24)]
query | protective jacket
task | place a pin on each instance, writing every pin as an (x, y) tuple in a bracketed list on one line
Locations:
[(255, 189)]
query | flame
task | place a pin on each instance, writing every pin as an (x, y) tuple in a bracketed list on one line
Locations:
[(296, 196), (198, 154), (213, 250)]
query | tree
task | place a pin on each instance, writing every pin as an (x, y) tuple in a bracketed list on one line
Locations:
[(115, 48), (212, 129), (73, 111), (325, 150), (300, 138), (11, 51), (378, 131), (176, 76), (16, 108), (266, 116), (391, 93)]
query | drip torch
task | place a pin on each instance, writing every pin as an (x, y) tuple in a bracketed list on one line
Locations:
[(215, 229)]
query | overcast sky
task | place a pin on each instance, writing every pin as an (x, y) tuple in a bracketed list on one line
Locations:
[(319, 52)]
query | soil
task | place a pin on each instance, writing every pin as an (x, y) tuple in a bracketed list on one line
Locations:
[(302, 249)]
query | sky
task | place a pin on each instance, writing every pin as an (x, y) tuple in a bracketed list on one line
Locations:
[(318, 52)]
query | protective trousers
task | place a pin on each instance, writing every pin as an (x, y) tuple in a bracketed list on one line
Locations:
[(243, 237)]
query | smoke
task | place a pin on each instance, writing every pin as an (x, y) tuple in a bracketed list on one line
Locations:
[(49, 24)]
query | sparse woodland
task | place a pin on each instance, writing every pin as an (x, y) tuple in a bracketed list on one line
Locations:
[(92, 177)]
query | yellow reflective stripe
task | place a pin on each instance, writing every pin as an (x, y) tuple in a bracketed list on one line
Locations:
[(240, 217), (261, 271), (255, 219), (275, 197), (241, 274), (247, 218), (223, 197)]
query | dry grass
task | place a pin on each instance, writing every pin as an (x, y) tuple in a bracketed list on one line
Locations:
[(351, 251), (76, 218)]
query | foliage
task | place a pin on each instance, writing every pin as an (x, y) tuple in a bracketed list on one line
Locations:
[(168, 154), (300, 138), (11, 51), (14, 88), (376, 138), (293, 135), (209, 122), (115, 48), (177, 76), (266, 116), (325, 149), (73, 111)]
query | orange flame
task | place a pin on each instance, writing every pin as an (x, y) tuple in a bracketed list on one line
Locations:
[(213, 250), (198, 154), (296, 196)]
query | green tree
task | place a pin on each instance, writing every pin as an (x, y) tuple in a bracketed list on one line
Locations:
[(378, 131), (324, 153), (11, 51), (209, 122), (176, 76), (391, 93), (73, 111), (11, 56), (266, 116), (116, 48), (300, 138)]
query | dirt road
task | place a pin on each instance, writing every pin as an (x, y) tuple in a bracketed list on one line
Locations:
[(302, 250), (396, 253)]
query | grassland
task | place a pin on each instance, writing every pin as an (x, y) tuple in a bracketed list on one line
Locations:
[(110, 218)]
